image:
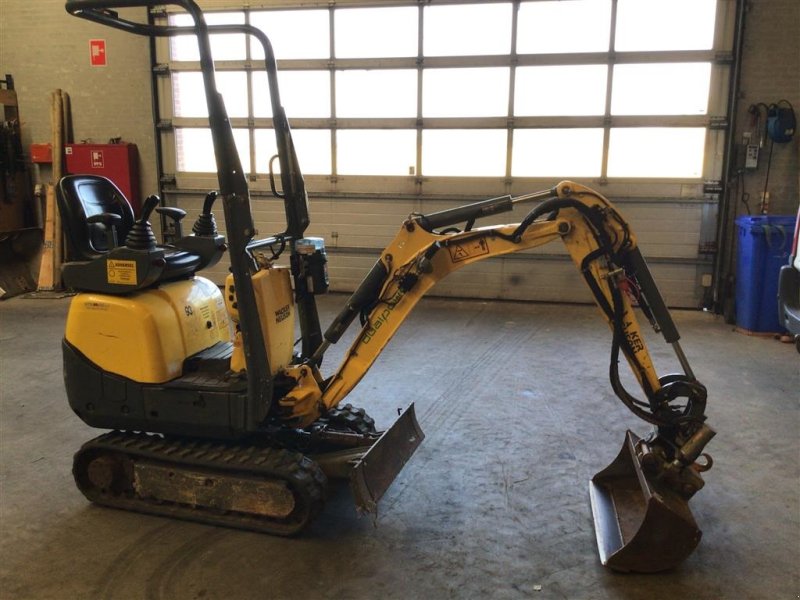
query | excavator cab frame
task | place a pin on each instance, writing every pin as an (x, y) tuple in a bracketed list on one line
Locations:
[(234, 190), (640, 502)]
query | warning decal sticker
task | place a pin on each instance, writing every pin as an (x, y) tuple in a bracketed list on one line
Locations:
[(468, 249), (122, 272)]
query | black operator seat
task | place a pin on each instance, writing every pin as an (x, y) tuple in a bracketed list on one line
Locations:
[(114, 253), (82, 200)]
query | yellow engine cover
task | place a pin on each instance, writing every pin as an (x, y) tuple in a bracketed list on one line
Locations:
[(146, 336), (275, 300)]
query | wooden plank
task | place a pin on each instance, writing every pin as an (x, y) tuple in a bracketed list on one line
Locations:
[(46, 278), (58, 171)]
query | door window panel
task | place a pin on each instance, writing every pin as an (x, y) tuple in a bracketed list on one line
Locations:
[(551, 91), (194, 149), (376, 93), (228, 46), (376, 152), (557, 153), (293, 33), (189, 96), (665, 24), (656, 152), (467, 29), (304, 94), (376, 32), (661, 89), (313, 147), (556, 27), (478, 92), (464, 152)]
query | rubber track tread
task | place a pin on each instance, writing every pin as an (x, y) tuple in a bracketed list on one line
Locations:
[(302, 475), (350, 417)]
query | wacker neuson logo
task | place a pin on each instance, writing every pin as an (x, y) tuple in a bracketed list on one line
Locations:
[(282, 314)]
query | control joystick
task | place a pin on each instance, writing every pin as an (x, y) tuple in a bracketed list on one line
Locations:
[(206, 224), (141, 236)]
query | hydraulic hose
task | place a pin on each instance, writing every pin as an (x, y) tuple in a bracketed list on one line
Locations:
[(613, 311)]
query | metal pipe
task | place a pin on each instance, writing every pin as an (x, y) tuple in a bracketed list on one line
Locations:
[(317, 356), (156, 112), (266, 242), (724, 203), (683, 360), (541, 195)]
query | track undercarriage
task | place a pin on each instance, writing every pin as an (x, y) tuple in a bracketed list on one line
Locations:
[(275, 484)]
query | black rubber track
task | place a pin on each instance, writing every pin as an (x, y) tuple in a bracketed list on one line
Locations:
[(350, 417), (302, 476)]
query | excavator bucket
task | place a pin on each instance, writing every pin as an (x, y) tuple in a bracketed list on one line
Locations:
[(641, 525), (376, 470)]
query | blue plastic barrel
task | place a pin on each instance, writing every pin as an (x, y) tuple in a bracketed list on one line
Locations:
[(764, 245)]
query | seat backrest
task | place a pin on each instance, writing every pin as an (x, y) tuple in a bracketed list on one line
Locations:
[(82, 196)]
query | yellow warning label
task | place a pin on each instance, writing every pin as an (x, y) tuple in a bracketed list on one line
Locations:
[(468, 249), (122, 272)]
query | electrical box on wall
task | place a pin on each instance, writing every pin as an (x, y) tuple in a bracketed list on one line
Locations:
[(119, 162), (751, 157), (746, 157)]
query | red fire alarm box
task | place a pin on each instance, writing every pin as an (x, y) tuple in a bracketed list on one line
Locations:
[(42, 153), (118, 162)]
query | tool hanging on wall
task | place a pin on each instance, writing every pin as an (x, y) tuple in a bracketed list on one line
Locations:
[(14, 193), (779, 125), (781, 122), (779, 128)]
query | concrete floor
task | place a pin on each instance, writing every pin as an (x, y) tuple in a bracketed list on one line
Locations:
[(518, 413)]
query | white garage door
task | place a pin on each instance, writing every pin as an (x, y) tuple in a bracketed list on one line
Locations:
[(418, 107)]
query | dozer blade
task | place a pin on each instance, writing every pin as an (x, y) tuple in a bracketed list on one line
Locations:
[(377, 469), (641, 525)]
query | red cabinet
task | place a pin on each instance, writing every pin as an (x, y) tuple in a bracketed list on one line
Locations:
[(118, 162)]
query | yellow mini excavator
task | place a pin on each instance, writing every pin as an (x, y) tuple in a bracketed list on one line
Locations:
[(214, 416)]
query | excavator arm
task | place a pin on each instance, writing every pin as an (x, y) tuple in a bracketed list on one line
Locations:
[(640, 502), (600, 244)]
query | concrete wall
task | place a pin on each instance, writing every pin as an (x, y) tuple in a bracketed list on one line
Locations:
[(771, 72), (44, 48)]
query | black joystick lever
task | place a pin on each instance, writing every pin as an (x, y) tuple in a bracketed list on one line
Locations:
[(141, 236), (177, 215), (206, 224)]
